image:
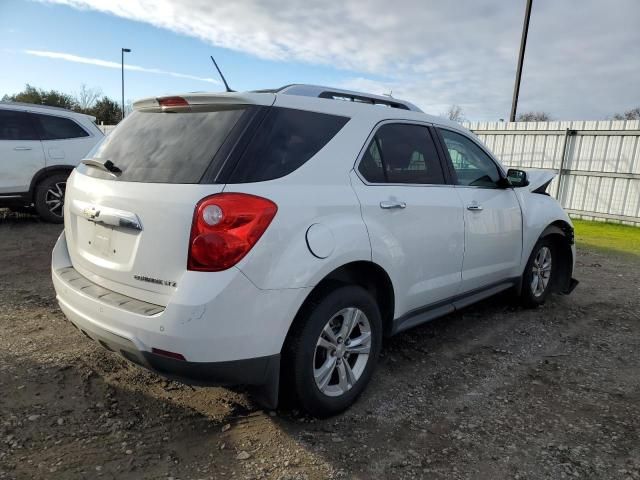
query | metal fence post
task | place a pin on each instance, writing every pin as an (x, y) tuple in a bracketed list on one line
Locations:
[(567, 133)]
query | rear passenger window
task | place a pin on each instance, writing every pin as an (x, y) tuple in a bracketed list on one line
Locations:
[(371, 164), (402, 153), (16, 126), (57, 128), (283, 142)]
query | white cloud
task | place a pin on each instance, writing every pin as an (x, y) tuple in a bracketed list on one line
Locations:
[(580, 62), (108, 64)]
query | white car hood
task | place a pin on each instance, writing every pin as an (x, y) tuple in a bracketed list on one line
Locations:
[(537, 178)]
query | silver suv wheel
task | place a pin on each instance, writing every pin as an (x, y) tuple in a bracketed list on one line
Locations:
[(49, 197), (54, 198), (541, 271), (342, 352)]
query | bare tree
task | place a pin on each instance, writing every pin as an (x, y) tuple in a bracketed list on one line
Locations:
[(534, 117), (454, 113), (87, 97), (633, 114)]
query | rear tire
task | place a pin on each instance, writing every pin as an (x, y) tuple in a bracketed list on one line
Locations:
[(539, 274), (333, 350), (49, 198)]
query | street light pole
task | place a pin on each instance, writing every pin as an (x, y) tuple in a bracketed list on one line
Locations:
[(127, 50), (523, 44)]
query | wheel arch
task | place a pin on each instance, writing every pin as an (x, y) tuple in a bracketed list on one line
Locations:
[(561, 233), (47, 172), (369, 275), (559, 227)]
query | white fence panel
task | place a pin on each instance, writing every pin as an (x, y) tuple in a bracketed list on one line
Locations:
[(106, 129), (598, 162)]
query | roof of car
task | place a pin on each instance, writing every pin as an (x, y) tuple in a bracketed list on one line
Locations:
[(332, 93), (46, 108), (347, 102)]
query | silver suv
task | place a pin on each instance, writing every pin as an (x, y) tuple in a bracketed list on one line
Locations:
[(39, 147), (276, 237)]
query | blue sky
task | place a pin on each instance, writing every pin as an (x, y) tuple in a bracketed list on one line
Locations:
[(581, 63), (26, 25)]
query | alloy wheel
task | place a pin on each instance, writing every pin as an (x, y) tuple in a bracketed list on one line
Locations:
[(342, 352), (541, 271), (54, 198)]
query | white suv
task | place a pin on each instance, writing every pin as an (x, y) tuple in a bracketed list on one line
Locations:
[(39, 146), (275, 237)]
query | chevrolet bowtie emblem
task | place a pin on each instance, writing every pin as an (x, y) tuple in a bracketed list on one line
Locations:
[(91, 213)]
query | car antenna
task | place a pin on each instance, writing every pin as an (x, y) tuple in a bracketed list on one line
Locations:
[(226, 85)]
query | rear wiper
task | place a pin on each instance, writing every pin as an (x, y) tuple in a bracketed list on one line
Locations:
[(106, 166)]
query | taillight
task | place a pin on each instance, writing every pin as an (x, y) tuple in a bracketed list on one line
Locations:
[(225, 228), (172, 102)]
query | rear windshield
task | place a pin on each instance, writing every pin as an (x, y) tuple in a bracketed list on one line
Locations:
[(164, 147), (229, 146)]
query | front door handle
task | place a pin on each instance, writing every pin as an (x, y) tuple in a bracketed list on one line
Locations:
[(18, 149), (474, 207), (392, 204)]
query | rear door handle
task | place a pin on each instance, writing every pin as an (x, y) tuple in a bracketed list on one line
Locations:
[(18, 149), (392, 204), (474, 207)]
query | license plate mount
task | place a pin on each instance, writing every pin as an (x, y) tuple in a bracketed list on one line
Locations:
[(101, 241)]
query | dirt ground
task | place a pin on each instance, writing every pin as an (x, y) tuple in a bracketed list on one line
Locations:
[(491, 392)]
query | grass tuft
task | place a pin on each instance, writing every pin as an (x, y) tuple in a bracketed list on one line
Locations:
[(611, 237)]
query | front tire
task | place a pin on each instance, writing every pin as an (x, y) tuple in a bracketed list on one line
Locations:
[(334, 349), (539, 274), (49, 198)]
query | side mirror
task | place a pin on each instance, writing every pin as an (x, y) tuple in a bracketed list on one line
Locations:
[(517, 178)]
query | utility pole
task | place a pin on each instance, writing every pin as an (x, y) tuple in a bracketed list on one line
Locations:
[(124, 50), (523, 44)]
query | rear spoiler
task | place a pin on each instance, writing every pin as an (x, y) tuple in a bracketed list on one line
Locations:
[(202, 102)]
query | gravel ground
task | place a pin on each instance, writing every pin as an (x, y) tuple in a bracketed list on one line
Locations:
[(491, 392)]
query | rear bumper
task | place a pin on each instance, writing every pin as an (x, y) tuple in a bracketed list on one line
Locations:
[(235, 338), (249, 371)]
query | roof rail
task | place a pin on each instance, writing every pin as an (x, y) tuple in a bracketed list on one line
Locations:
[(37, 105), (346, 95)]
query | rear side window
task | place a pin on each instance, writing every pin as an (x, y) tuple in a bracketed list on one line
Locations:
[(57, 128), (164, 147), (16, 126), (284, 141), (402, 153)]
